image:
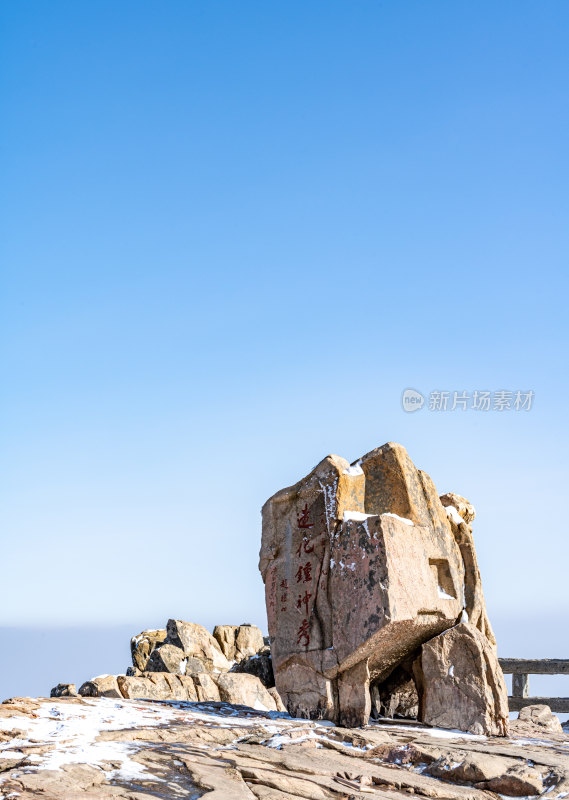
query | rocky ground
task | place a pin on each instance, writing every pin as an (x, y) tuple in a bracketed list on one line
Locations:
[(68, 748)]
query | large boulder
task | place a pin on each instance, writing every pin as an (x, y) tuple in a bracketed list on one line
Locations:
[(197, 642), (142, 645), (240, 689), (157, 686), (362, 565), (101, 686), (244, 690), (260, 664), (168, 658), (238, 641), (64, 690), (461, 684), (536, 720)]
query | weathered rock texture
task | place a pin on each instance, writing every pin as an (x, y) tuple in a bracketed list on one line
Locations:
[(142, 645), (362, 565), (260, 665), (99, 748), (459, 678), (238, 641), (185, 662)]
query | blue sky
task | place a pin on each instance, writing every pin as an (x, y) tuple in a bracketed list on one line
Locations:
[(231, 235)]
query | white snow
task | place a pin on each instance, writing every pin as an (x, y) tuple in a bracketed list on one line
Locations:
[(329, 503), (355, 470), (183, 666), (396, 516), (444, 595), (451, 670), (439, 733), (357, 516), (464, 617), (453, 514), (73, 730)]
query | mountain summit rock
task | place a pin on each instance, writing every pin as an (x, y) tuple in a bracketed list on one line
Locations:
[(371, 582)]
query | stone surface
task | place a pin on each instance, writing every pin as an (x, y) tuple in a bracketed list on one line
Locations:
[(506, 776), (158, 686), (461, 684), (64, 690), (238, 642), (534, 720), (101, 686), (70, 748), (260, 665), (197, 642), (362, 565), (169, 658), (245, 690), (142, 645)]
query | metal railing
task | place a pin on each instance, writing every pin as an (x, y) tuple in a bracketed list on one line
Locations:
[(521, 669)]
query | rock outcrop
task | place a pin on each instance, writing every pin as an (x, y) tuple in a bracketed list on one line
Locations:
[(142, 645), (259, 664), (238, 642), (78, 747), (537, 720), (185, 662), (363, 564)]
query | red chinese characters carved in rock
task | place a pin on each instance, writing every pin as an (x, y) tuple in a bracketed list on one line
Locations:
[(304, 545), (303, 519), (303, 601), (303, 634), (304, 573)]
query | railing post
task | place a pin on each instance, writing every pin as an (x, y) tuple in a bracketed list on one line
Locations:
[(520, 684)]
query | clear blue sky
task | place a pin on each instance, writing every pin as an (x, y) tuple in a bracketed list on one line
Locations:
[(231, 235)]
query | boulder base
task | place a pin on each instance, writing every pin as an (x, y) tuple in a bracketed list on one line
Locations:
[(461, 685)]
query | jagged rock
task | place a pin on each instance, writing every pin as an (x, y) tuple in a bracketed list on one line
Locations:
[(238, 641), (474, 605), (133, 672), (245, 690), (506, 776), (461, 684), (142, 645), (168, 658), (362, 565), (197, 642), (465, 510), (64, 690), (260, 665), (101, 686), (534, 720), (225, 637)]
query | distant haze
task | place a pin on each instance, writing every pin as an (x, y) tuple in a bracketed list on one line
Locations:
[(36, 659)]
